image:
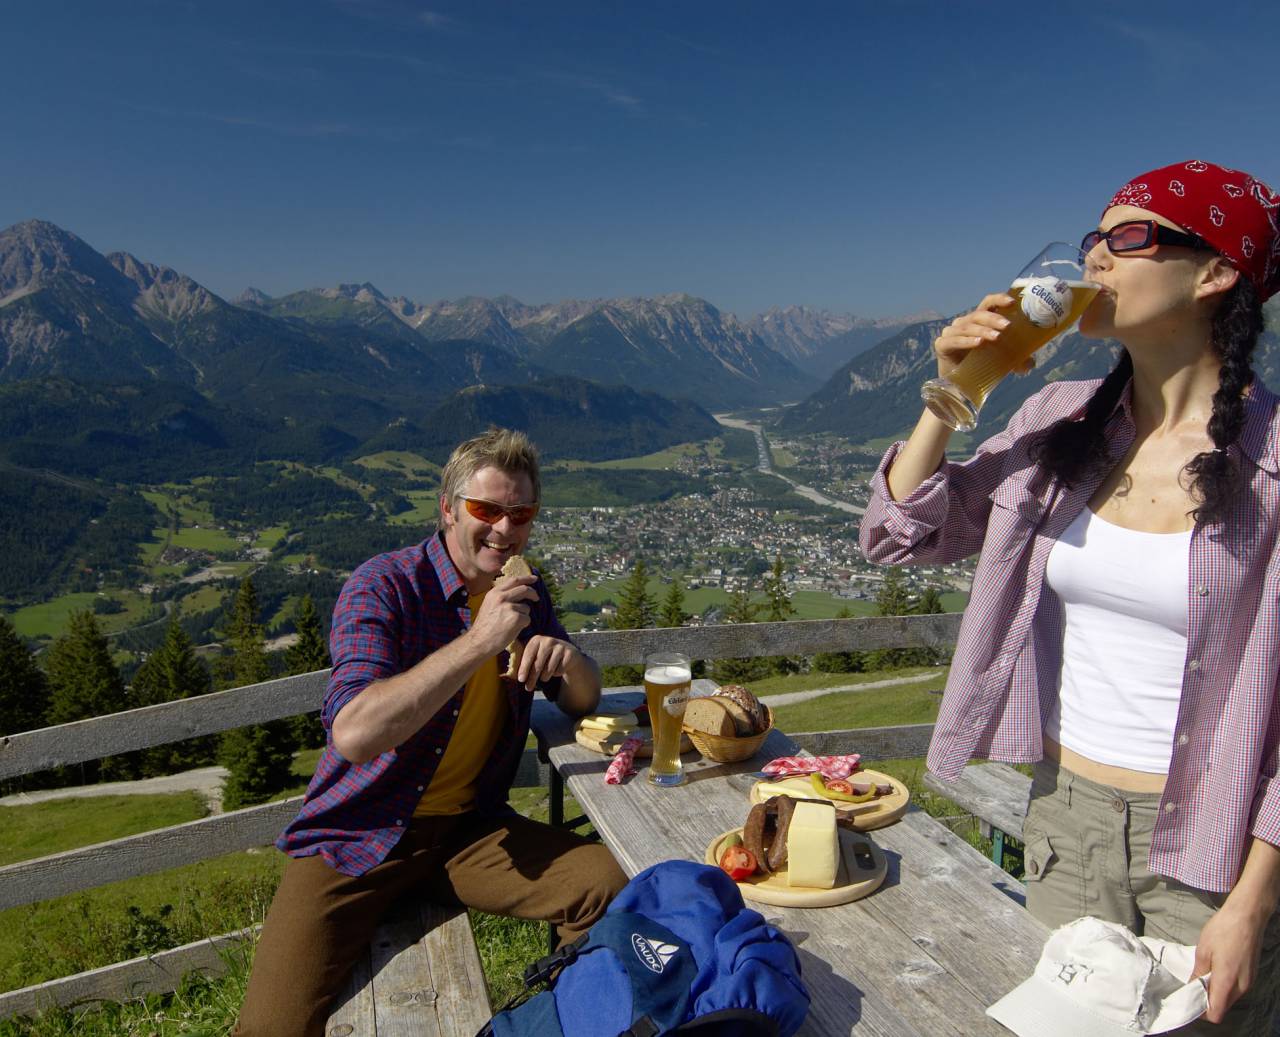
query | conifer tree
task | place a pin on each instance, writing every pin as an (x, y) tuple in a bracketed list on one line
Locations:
[(637, 609), (841, 662), (24, 692), (258, 758), (172, 671), (778, 609), (84, 682), (307, 655), (741, 609), (672, 613), (892, 600), (83, 679)]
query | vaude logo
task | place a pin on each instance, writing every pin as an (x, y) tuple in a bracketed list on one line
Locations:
[(654, 955)]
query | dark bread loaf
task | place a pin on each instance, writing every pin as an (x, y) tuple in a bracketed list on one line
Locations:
[(747, 710)]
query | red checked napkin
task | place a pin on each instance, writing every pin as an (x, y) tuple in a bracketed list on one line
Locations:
[(827, 766), (623, 762)]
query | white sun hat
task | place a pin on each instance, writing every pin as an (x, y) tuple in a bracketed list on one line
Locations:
[(1097, 979)]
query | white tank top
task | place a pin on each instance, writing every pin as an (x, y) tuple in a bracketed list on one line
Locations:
[(1124, 645)]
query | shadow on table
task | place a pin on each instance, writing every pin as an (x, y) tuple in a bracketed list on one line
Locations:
[(836, 1004)]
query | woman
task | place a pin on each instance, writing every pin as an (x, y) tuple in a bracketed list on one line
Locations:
[(1123, 631)]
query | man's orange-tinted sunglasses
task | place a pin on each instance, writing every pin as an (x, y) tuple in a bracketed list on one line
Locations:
[(491, 511)]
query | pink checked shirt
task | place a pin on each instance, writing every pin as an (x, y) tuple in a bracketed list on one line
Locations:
[(1222, 785)]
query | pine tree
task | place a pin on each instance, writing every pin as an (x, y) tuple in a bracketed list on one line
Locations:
[(930, 604), (83, 679), (249, 663), (892, 600), (841, 662), (637, 609), (778, 608), (672, 613), (84, 682), (741, 609), (172, 671), (24, 692), (258, 758), (308, 654)]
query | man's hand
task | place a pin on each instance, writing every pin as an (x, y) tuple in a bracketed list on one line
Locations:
[(544, 658), (503, 613), (1229, 946)]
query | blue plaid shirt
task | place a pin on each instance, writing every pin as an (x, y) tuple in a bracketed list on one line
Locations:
[(394, 611)]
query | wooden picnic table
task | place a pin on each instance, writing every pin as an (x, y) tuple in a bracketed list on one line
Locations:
[(945, 936)]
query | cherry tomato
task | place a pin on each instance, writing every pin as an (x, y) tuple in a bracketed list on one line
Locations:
[(841, 786), (738, 863)]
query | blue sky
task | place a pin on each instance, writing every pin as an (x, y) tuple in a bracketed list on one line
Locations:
[(871, 158)]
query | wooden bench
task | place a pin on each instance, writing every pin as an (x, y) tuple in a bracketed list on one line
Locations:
[(420, 975), (996, 794)]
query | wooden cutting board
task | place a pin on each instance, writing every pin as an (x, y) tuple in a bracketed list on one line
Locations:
[(608, 744), (862, 869), (875, 813)]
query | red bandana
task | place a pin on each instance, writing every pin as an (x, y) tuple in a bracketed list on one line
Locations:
[(1237, 214)]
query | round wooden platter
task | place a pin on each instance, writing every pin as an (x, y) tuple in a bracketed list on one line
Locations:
[(866, 817), (608, 744), (862, 870)]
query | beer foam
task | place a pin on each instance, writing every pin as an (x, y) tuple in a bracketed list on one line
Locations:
[(668, 674)]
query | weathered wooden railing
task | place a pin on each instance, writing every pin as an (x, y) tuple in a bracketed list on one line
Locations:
[(58, 874)]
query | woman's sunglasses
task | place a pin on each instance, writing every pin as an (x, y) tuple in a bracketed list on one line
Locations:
[(491, 511), (1139, 238)]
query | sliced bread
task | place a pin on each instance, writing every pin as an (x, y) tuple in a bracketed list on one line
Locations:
[(711, 716)]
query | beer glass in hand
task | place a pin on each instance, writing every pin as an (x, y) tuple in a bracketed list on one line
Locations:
[(667, 676), (1048, 297)]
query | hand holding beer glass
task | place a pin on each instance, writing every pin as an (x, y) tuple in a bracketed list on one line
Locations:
[(667, 677), (1048, 296)]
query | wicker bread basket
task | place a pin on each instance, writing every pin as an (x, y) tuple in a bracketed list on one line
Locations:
[(727, 749)]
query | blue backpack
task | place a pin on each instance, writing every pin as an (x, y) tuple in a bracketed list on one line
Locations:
[(677, 952)]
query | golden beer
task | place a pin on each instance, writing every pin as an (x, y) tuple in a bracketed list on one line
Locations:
[(667, 677), (1045, 305)]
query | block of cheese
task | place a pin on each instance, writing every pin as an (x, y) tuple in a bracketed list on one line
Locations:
[(813, 846), (607, 723)]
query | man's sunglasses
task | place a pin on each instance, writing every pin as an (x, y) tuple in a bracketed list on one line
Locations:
[(1139, 238), (491, 511)]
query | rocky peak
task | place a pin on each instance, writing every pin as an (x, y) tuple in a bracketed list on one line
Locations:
[(252, 297), (35, 251)]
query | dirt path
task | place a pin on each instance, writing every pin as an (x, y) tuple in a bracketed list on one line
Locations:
[(205, 780), (791, 697)]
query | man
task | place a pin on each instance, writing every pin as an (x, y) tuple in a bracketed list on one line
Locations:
[(424, 740)]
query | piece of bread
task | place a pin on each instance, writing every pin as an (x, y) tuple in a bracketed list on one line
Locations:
[(743, 727), (746, 709), (711, 716), (514, 566)]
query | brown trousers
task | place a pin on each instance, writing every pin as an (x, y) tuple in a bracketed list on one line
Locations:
[(321, 920)]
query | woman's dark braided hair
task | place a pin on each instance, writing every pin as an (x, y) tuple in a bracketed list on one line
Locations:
[(1072, 448)]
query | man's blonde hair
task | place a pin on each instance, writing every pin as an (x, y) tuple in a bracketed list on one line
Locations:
[(505, 449)]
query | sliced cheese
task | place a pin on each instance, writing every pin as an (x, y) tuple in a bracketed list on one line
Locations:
[(606, 724), (813, 846)]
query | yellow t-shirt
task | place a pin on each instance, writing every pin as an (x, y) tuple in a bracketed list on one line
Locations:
[(480, 719)]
